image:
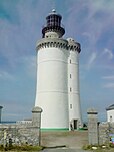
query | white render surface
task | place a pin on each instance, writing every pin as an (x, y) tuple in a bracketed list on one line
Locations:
[(52, 87), (57, 73), (57, 88), (110, 115), (73, 85)]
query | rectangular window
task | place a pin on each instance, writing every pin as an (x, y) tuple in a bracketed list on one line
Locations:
[(70, 89), (70, 106), (70, 60), (110, 118), (70, 76)]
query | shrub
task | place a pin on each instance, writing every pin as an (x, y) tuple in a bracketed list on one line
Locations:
[(87, 147), (111, 145)]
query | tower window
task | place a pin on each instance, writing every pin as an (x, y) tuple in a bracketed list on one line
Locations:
[(70, 60), (70, 106), (70, 89), (70, 76)]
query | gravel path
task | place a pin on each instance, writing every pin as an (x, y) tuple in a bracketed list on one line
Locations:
[(64, 150), (67, 139)]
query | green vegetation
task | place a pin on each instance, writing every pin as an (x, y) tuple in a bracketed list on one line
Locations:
[(20, 148), (100, 148)]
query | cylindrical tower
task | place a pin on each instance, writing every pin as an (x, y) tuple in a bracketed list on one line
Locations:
[(73, 84), (0, 112), (52, 71), (57, 89)]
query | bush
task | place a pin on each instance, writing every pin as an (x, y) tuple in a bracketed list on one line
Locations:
[(111, 145), (1, 147), (87, 147)]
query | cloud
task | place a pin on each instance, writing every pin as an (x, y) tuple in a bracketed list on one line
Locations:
[(109, 85), (88, 22), (15, 111), (91, 60), (109, 53), (28, 64), (86, 34), (111, 77), (91, 22), (4, 75), (20, 29)]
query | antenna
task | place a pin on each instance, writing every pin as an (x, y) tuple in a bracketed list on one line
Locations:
[(53, 4)]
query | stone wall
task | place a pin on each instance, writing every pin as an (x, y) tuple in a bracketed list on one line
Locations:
[(99, 133), (92, 126), (102, 135), (106, 130), (23, 132), (19, 134)]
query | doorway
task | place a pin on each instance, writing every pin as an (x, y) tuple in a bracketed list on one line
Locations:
[(75, 122)]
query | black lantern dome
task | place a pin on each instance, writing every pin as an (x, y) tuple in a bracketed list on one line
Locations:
[(53, 24)]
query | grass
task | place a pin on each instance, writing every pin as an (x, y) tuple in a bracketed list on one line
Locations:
[(104, 150), (20, 148), (100, 148)]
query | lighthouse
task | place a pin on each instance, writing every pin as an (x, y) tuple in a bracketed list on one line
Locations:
[(57, 88)]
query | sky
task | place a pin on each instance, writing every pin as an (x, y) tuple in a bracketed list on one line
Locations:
[(91, 23)]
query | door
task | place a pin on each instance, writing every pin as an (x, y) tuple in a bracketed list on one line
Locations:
[(75, 124)]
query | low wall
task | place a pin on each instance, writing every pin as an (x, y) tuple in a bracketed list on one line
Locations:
[(19, 134), (105, 131)]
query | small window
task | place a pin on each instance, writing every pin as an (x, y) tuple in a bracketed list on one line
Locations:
[(70, 60), (70, 89), (110, 118), (70, 76), (70, 106)]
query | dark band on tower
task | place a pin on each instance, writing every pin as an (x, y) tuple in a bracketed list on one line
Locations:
[(53, 24)]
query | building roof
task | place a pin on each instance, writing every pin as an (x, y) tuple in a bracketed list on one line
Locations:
[(111, 107)]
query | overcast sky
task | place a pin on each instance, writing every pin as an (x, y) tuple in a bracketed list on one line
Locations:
[(89, 22)]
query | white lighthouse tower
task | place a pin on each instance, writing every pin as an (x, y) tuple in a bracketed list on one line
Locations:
[(57, 89), (73, 84)]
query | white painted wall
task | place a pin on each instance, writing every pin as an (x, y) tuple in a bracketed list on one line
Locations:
[(110, 115), (55, 77), (52, 87), (73, 88)]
